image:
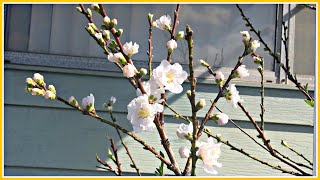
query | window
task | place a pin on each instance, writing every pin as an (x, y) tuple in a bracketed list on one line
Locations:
[(54, 35)]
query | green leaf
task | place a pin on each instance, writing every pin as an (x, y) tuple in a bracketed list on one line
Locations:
[(111, 155), (310, 103), (306, 87), (159, 171)]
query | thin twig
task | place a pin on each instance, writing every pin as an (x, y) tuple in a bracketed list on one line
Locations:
[(261, 71), (267, 142), (125, 146), (192, 100), (150, 47), (297, 163), (117, 161), (125, 131), (206, 118), (232, 147), (107, 166), (309, 6), (276, 57), (299, 154), (187, 166)]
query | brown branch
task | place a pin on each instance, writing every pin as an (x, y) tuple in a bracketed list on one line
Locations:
[(206, 118), (267, 142), (115, 151), (150, 47), (289, 75), (175, 21), (192, 99), (125, 131), (107, 166), (297, 163), (232, 147), (187, 166), (125, 146), (166, 145)]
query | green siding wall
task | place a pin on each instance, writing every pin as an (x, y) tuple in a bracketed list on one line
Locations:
[(47, 138)]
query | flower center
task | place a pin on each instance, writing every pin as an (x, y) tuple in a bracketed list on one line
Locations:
[(143, 113), (169, 77)]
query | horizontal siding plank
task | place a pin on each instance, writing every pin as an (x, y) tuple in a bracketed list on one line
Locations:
[(65, 139), (278, 102)]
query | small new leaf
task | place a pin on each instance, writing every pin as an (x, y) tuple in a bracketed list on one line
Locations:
[(306, 87), (310, 103), (111, 155)]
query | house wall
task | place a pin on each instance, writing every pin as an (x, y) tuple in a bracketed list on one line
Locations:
[(44, 137)]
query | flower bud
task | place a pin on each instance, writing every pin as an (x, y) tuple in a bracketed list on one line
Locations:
[(150, 16), (106, 34), (143, 72), (180, 35), (30, 82), (89, 12), (119, 32), (219, 137), (184, 152), (52, 88), (90, 30), (171, 45), (106, 21), (201, 104), (49, 95), (154, 23), (113, 23), (100, 38), (260, 69), (37, 92), (220, 118), (79, 9), (188, 93), (204, 63), (95, 7), (245, 37), (28, 89), (257, 60), (38, 78), (73, 101)]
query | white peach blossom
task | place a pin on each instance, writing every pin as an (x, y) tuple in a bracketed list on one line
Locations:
[(209, 153), (129, 70), (163, 23), (232, 95), (130, 49), (88, 103), (184, 131), (184, 152)]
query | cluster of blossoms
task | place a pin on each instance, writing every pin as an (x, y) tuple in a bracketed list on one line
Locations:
[(247, 40), (37, 87), (209, 152)]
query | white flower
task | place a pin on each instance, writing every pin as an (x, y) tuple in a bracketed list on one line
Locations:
[(113, 99), (38, 78), (152, 89), (241, 72), (232, 95), (171, 45), (130, 49), (220, 118), (184, 152), (170, 76), (129, 70), (254, 45), (219, 76), (49, 95), (141, 113), (88, 103), (163, 23), (185, 131), (245, 36), (116, 57), (209, 153)]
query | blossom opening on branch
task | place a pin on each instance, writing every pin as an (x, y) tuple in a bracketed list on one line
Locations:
[(232, 95), (141, 113), (130, 49), (219, 78), (37, 92), (152, 89), (184, 152), (170, 76), (241, 72), (254, 46), (209, 153), (185, 131), (88, 103), (38, 78), (163, 23), (49, 95), (129, 70), (220, 118), (73, 101), (171, 45), (116, 57), (245, 37)]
